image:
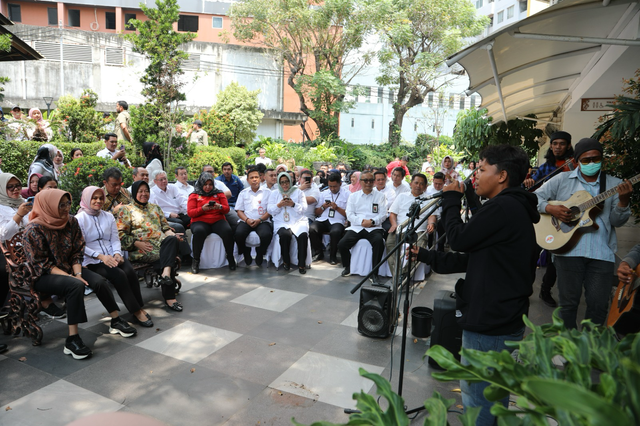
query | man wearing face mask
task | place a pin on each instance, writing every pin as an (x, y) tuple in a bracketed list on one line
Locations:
[(590, 263)]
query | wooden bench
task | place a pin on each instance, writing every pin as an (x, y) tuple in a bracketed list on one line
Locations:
[(24, 301)]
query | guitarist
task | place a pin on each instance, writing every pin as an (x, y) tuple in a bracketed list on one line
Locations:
[(626, 275), (559, 153), (590, 263)]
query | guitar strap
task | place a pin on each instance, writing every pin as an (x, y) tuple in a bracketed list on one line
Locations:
[(603, 187)]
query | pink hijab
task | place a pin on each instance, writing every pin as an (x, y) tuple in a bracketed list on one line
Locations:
[(85, 200), (355, 186), (32, 110)]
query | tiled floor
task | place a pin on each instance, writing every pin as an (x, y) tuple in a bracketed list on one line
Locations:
[(254, 346)]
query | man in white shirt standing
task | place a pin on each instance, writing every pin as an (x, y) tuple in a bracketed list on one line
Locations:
[(251, 207), (111, 152), (399, 212), (428, 163), (399, 184), (366, 210), (262, 159), (332, 216)]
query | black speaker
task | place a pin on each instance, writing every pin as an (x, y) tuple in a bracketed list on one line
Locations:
[(374, 316), (446, 331)]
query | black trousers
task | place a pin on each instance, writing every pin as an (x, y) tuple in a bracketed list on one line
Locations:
[(318, 228), (72, 290), (375, 238), (125, 280), (182, 219), (264, 231), (201, 231), (179, 228), (168, 253), (550, 275), (4, 280), (232, 218), (286, 235)]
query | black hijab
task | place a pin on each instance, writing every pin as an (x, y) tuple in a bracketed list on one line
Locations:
[(198, 187), (151, 152), (134, 191)]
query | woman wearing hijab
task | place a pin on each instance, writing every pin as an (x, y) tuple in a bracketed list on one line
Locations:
[(38, 124), (207, 207), (54, 246), (154, 159), (449, 172), (355, 182), (43, 162), (32, 189), (145, 233), (103, 254), (58, 161), (287, 205)]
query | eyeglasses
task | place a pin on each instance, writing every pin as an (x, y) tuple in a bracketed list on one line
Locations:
[(65, 205), (587, 160), (367, 180), (12, 187)]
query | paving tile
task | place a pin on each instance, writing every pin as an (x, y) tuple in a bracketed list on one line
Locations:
[(56, 404), (346, 342), (326, 379), (274, 358), (323, 309), (294, 282), (234, 317), (271, 299), (340, 288), (189, 341), (18, 379), (292, 330)]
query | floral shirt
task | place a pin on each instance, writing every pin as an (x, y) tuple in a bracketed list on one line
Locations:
[(45, 248), (141, 223), (110, 202)]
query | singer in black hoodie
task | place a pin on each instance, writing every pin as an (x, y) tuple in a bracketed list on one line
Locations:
[(496, 249)]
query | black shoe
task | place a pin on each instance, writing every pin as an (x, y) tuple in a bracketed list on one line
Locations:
[(247, 257), (346, 272), (318, 256), (333, 261), (548, 299), (175, 307), (375, 280), (54, 311), (259, 259), (302, 270), (120, 326), (145, 323), (286, 266), (195, 266), (232, 265), (3, 347), (75, 347)]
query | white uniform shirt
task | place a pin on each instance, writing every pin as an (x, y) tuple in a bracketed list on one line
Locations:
[(401, 207), (403, 187), (314, 192), (100, 236), (170, 201), (430, 191), (389, 193), (363, 206), (185, 189), (297, 222), (105, 153), (8, 227), (266, 161), (253, 204), (340, 199)]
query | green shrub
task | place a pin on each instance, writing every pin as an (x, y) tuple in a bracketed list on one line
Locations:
[(214, 158), (78, 118), (87, 171), (237, 155)]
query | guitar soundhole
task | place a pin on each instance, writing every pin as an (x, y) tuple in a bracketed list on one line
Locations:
[(575, 213)]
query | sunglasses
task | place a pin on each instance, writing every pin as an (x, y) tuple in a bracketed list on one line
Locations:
[(587, 160), (12, 187), (367, 180)]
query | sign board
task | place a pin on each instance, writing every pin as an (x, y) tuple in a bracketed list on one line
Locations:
[(596, 104)]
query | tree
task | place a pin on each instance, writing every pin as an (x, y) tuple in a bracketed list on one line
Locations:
[(241, 106), (5, 46), (160, 43), (417, 36), (475, 130), (79, 117), (318, 42)]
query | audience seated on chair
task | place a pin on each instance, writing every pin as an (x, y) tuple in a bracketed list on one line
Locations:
[(115, 194), (139, 173), (366, 210), (171, 200), (287, 206), (311, 193), (331, 212), (251, 208), (382, 185), (181, 182)]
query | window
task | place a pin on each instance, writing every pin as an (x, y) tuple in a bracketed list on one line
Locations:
[(415, 127), (188, 23), (216, 22), (110, 20), (367, 94), (52, 13), (14, 13), (510, 12), (473, 101), (73, 17), (441, 100), (500, 16), (451, 101), (478, 4), (391, 96), (462, 102), (353, 122), (380, 95), (430, 99), (127, 18), (491, 1), (373, 123), (523, 6)]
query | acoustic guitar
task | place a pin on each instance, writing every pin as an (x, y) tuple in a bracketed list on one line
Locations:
[(621, 315), (558, 237)]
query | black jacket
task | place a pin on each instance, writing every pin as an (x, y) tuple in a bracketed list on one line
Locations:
[(498, 256)]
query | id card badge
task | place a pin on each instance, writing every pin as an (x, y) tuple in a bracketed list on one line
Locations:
[(332, 213), (374, 209), (260, 211), (286, 216)]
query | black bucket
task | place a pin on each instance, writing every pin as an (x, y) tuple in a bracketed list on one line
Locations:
[(421, 321)]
